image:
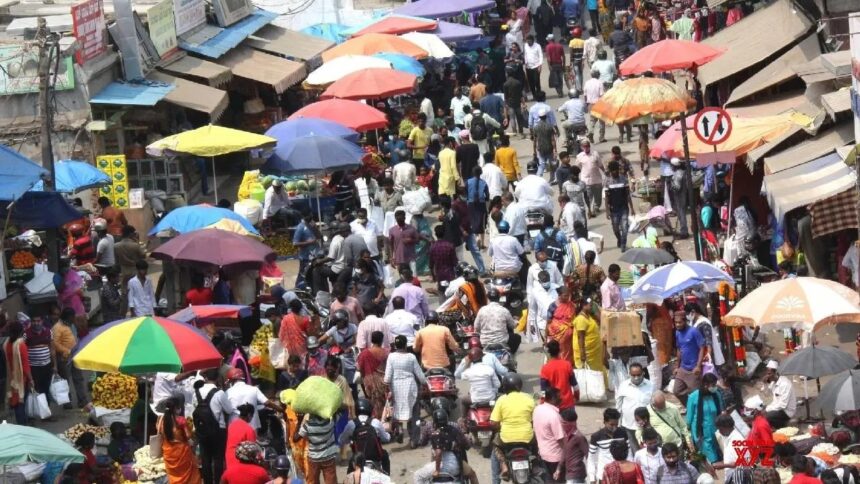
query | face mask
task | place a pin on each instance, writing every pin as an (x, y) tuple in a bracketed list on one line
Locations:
[(637, 380), (653, 448), (542, 265), (546, 285), (641, 425), (690, 317)]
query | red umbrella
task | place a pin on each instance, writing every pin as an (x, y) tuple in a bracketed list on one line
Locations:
[(371, 84), (352, 114), (668, 55), (216, 247)]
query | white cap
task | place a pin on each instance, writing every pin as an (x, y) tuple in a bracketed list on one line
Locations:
[(542, 112), (476, 112), (276, 182), (550, 37), (754, 403), (675, 161), (773, 365)]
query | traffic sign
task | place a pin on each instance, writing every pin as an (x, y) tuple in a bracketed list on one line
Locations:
[(712, 126)]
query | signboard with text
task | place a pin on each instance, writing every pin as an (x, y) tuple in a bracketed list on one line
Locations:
[(162, 29), (19, 73), (189, 15), (88, 25)]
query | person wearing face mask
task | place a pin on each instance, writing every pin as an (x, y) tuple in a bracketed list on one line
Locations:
[(674, 470), (703, 407), (667, 420), (631, 394), (781, 409), (696, 318), (761, 433), (649, 457), (541, 295), (543, 264), (598, 446), (315, 358)]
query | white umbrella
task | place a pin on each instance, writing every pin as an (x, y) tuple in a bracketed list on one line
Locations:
[(341, 66), (431, 43)]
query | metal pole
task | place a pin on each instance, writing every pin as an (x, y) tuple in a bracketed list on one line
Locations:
[(47, 42), (214, 180), (691, 201)]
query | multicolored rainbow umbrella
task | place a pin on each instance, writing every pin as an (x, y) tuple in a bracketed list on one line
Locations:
[(146, 345)]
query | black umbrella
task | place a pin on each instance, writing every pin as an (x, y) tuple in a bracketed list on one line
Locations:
[(647, 255), (842, 393), (817, 361)]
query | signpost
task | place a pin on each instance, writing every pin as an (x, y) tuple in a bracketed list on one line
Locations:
[(712, 126), (88, 24)]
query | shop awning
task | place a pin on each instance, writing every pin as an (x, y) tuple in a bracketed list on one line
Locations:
[(807, 183), (146, 93), (214, 74), (837, 102), (290, 44), (229, 37), (192, 95), (835, 213), (265, 68), (825, 142), (778, 71), (781, 103), (753, 40)]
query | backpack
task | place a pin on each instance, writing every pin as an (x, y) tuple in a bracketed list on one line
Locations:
[(205, 422), (366, 440), (478, 128), (554, 250)]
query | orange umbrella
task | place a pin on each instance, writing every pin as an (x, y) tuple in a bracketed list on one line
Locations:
[(371, 84), (373, 44), (397, 24), (352, 114), (643, 99), (669, 55)]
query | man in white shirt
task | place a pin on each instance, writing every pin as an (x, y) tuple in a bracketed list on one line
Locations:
[(367, 229), (534, 193), (104, 248), (571, 213), (593, 89), (497, 182), (649, 457), (506, 251), (784, 403), (555, 277), (426, 107), (493, 321), (276, 199), (212, 449), (241, 393), (141, 295), (336, 256), (727, 435), (591, 173), (483, 381), (401, 322), (458, 102), (403, 174), (533, 56), (515, 216), (631, 394), (491, 126)]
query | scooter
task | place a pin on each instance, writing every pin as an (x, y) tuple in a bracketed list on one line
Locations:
[(479, 425), (524, 466), (534, 221), (511, 292), (440, 383)]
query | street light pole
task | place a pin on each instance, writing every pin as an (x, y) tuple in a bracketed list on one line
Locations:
[(692, 198)]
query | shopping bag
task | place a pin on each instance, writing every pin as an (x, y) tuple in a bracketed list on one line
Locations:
[(278, 354), (60, 390), (592, 386), (389, 276), (37, 406), (617, 373), (31, 406), (155, 451)]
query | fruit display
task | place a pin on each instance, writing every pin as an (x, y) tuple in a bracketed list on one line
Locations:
[(827, 452), (115, 391), (282, 245), (260, 352), (23, 259), (148, 469), (79, 429), (372, 163)]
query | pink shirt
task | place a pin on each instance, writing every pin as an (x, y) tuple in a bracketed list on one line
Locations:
[(368, 326), (549, 432), (610, 295), (591, 166)]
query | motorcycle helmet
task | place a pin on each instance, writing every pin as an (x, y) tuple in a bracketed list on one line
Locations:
[(432, 317), (493, 294), (461, 268), (364, 407), (532, 167), (471, 274), (76, 229), (576, 32), (282, 464), (313, 343), (339, 316), (504, 227), (512, 382), (439, 403), (440, 418)]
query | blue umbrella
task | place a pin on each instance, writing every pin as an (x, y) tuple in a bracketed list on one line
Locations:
[(313, 154), (196, 217), (671, 279), (73, 176), (296, 128), (17, 174), (403, 63), (326, 31), (41, 210)]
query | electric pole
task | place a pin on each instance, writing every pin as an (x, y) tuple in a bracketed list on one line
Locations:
[(46, 42)]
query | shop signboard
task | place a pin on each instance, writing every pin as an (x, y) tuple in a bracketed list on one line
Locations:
[(162, 29), (19, 70), (88, 25), (189, 15), (115, 167)]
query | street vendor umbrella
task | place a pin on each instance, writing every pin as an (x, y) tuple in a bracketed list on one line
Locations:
[(647, 256), (430, 43), (372, 44), (454, 32), (841, 393), (40, 210), (802, 302), (196, 217), (671, 279), (20, 444), (17, 174), (371, 84), (342, 66), (313, 154), (817, 361), (443, 8), (403, 63), (209, 141), (353, 114), (233, 226), (296, 128), (200, 314), (397, 24), (642, 97), (214, 246), (71, 176), (669, 55), (326, 31)]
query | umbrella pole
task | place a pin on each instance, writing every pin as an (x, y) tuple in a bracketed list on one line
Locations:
[(691, 198), (317, 193), (214, 180), (145, 410)]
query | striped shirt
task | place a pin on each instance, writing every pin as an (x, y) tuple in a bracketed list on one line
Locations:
[(40, 350), (320, 434)]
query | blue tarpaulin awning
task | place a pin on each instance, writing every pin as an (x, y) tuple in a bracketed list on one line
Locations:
[(17, 174), (326, 31), (41, 210), (231, 36), (137, 93)]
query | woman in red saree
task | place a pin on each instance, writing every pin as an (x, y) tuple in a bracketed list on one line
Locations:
[(294, 330), (371, 365), (560, 326)]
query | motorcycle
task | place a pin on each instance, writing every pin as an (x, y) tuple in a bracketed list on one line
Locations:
[(440, 384), (573, 138), (534, 221), (445, 478), (511, 292), (524, 467), (503, 354), (479, 425)]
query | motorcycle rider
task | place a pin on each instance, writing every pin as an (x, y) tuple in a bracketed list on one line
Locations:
[(433, 342), (512, 416), (483, 382), (343, 334), (574, 124), (449, 452), (495, 325), (507, 252), (474, 292), (366, 435)]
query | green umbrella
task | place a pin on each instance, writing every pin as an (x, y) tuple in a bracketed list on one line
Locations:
[(21, 445)]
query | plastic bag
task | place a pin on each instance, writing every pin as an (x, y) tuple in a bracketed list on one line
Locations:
[(417, 201), (389, 276), (617, 373), (592, 386), (37, 406), (250, 209), (60, 390), (373, 476), (318, 396), (277, 354)]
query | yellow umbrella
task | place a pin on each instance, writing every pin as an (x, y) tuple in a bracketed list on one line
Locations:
[(232, 226), (651, 98), (209, 141)]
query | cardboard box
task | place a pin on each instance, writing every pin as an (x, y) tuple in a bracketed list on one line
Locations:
[(621, 328)]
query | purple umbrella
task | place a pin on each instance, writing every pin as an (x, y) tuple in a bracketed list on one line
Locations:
[(443, 8), (453, 32), (215, 247)]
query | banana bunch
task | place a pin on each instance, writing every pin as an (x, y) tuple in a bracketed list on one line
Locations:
[(76, 431), (282, 245), (115, 391), (261, 362), (260, 342)]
